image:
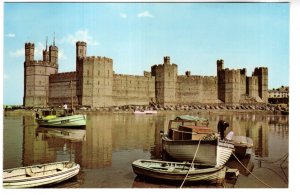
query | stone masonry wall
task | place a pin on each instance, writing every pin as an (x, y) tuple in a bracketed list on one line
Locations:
[(62, 87), (136, 90), (196, 90)]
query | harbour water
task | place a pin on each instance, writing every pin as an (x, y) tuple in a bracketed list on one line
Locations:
[(111, 142)]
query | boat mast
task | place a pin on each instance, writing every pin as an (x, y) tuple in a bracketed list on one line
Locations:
[(71, 95)]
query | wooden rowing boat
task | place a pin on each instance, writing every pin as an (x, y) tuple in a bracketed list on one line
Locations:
[(39, 175), (177, 171)]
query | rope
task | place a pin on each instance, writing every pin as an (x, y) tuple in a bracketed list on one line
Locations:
[(191, 164), (251, 172)]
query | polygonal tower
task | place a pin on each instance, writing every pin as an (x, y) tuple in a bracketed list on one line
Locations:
[(165, 82)]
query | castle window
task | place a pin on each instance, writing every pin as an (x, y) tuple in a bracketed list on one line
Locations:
[(98, 72), (107, 72), (98, 82), (88, 73)]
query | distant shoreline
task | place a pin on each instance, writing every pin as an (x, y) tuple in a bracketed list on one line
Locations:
[(190, 110)]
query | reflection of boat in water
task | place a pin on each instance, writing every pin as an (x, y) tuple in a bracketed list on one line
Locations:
[(39, 175), (176, 171), (50, 119), (68, 134), (247, 164), (185, 135)]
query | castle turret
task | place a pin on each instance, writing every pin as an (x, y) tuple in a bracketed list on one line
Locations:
[(46, 54), (220, 65), (53, 54), (29, 52), (80, 49)]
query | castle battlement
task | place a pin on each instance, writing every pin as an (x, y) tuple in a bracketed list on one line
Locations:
[(29, 45), (62, 76), (98, 59)]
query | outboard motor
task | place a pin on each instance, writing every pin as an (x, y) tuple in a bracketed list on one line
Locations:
[(222, 125)]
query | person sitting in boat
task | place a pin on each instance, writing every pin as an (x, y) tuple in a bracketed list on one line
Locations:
[(222, 125), (37, 114), (65, 107)]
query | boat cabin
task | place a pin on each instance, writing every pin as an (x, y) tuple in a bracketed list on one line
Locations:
[(185, 129)]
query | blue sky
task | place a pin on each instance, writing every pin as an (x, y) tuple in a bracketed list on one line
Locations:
[(138, 35)]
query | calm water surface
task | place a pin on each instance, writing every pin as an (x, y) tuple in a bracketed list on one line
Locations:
[(111, 142)]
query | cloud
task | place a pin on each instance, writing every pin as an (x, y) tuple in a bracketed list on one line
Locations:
[(80, 35), (123, 15), (18, 53), (11, 35), (61, 55), (5, 76), (145, 14)]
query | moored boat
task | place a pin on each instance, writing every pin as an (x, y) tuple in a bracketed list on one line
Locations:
[(145, 112), (50, 119), (242, 145), (39, 175), (185, 135), (177, 171)]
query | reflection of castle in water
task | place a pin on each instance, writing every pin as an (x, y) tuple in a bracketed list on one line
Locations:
[(106, 134)]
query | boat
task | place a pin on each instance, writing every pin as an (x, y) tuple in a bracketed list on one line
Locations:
[(177, 171), (145, 112), (242, 145), (50, 119), (39, 175), (185, 134)]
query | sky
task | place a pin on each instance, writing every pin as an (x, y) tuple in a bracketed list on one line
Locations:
[(138, 35)]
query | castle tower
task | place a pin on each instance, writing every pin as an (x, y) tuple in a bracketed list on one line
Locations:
[(36, 76), (262, 74), (81, 48), (165, 82)]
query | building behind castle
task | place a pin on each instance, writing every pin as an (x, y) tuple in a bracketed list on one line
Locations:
[(95, 84)]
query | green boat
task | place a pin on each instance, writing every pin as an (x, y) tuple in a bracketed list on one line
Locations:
[(52, 120)]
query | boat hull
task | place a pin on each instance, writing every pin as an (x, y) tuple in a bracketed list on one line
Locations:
[(209, 152), (174, 171), (20, 178), (73, 121)]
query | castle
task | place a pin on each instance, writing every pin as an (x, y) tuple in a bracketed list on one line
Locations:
[(95, 84)]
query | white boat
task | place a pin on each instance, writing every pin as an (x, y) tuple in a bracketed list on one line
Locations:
[(39, 175), (177, 171), (210, 152), (145, 112), (182, 139)]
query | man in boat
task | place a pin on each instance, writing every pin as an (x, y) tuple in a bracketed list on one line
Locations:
[(65, 107), (222, 125)]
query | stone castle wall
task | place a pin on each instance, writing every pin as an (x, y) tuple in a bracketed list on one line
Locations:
[(135, 90), (95, 84), (192, 90), (62, 87)]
